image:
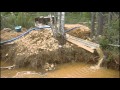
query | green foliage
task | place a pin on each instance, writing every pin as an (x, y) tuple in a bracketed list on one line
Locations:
[(6, 21), (110, 35), (104, 42), (112, 32), (86, 15), (10, 20), (72, 18), (76, 17), (26, 19)]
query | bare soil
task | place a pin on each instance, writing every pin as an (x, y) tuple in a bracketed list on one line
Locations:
[(39, 47)]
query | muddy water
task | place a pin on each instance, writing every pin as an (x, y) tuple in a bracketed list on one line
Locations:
[(69, 70)]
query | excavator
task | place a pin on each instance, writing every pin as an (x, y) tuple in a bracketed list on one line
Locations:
[(56, 21)]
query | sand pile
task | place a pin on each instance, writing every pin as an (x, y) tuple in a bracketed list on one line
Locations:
[(8, 33), (37, 41), (39, 47), (81, 32)]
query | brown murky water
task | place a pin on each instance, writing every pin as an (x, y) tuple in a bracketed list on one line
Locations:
[(68, 70)]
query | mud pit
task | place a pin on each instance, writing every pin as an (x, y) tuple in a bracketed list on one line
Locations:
[(68, 70), (39, 47)]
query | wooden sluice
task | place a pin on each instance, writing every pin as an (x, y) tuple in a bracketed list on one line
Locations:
[(87, 45)]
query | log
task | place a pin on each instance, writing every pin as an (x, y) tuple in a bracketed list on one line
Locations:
[(8, 67), (114, 45)]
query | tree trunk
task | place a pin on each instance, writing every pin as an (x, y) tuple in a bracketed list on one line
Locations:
[(58, 27), (100, 23), (61, 23), (61, 32), (92, 23), (53, 25), (109, 19)]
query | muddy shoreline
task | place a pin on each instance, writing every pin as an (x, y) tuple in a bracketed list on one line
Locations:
[(39, 47), (66, 70)]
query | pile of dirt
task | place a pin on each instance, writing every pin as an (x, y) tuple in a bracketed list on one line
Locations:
[(35, 41), (82, 31), (39, 47), (8, 33)]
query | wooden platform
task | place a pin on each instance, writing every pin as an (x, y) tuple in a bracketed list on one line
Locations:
[(89, 46)]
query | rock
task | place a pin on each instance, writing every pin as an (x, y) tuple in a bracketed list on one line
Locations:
[(6, 55), (96, 67)]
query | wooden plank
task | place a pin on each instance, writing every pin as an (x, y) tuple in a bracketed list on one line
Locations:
[(80, 45), (89, 46), (88, 43), (83, 42)]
